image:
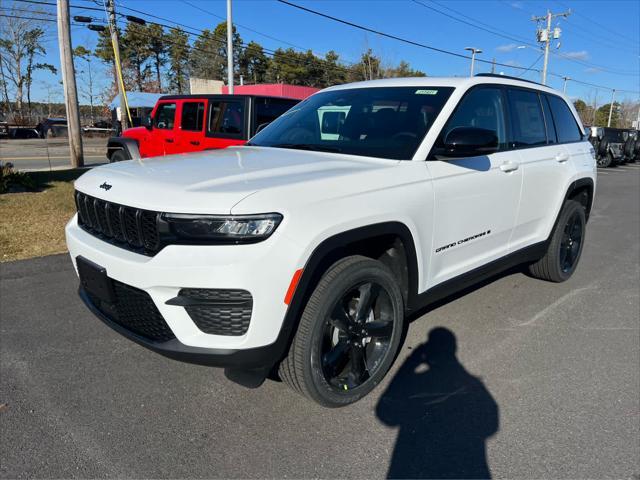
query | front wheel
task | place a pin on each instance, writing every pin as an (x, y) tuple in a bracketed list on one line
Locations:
[(565, 247), (118, 156), (605, 160), (349, 333)]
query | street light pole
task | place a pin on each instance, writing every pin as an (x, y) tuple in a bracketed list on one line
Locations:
[(613, 96), (564, 87), (229, 48), (473, 51)]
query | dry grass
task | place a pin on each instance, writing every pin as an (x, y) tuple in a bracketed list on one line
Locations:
[(32, 223)]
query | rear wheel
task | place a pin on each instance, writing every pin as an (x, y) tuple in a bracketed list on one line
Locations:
[(349, 333), (118, 156), (565, 248)]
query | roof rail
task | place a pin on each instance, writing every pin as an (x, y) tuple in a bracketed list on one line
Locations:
[(496, 75)]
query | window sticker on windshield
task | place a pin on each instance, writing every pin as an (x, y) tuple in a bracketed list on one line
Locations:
[(426, 92)]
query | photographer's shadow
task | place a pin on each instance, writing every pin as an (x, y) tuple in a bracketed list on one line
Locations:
[(444, 414)]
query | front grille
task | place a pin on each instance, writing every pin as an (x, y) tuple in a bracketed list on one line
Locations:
[(134, 310), (127, 227), (218, 311)]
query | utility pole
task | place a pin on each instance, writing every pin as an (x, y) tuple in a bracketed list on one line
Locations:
[(493, 65), (124, 107), (545, 36), (69, 83), (564, 87), (473, 51), (229, 48), (613, 96)]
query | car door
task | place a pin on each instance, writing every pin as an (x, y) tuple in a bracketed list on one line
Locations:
[(545, 162), (164, 128), (475, 198), (191, 137)]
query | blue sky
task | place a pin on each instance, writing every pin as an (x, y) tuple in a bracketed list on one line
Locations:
[(584, 38)]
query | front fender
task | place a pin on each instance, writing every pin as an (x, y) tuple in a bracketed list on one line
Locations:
[(128, 145)]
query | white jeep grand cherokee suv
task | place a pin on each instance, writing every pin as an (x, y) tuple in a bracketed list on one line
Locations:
[(303, 253)]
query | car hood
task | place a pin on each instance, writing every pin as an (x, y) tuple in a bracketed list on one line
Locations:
[(214, 181)]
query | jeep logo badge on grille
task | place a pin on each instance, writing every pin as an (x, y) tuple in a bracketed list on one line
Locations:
[(106, 186)]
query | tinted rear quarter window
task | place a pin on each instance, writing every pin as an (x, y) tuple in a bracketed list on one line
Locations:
[(192, 116), (226, 118), (527, 122), (565, 122)]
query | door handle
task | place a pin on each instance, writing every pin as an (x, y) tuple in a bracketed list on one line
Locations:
[(168, 140), (562, 157), (194, 142), (509, 166)]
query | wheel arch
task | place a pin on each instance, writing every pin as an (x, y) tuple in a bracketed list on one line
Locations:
[(367, 240), (582, 190), (129, 145)]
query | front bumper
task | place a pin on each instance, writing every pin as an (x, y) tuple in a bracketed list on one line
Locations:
[(252, 358), (264, 269)]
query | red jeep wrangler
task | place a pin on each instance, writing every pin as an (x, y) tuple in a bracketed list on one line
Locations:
[(190, 123)]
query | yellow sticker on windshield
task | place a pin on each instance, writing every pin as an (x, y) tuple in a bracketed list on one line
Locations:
[(426, 92)]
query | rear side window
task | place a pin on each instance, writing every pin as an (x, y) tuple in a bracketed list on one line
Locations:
[(165, 116), (527, 122), (268, 109), (481, 108), (226, 118), (566, 125), (548, 120), (192, 116)]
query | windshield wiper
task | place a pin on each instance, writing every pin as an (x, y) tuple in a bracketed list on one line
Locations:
[(307, 146)]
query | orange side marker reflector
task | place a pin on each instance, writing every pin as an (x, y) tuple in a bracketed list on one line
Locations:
[(292, 286)]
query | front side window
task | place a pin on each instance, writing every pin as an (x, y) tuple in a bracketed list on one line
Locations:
[(383, 122), (527, 122), (482, 107), (566, 125), (226, 118), (165, 116), (192, 116)]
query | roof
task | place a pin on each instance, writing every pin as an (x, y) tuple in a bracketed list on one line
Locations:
[(137, 100), (445, 82), (274, 89)]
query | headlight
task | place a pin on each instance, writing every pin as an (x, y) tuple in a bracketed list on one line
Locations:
[(219, 228)]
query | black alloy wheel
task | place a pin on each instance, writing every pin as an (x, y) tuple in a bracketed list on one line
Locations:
[(357, 336), (571, 243)]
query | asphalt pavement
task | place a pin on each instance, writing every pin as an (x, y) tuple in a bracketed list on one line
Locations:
[(550, 376)]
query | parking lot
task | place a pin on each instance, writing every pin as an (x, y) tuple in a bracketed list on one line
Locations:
[(552, 368)]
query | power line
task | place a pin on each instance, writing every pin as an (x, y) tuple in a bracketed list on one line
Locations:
[(391, 36), (502, 34)]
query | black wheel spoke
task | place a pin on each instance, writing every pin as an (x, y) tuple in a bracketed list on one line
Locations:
[(378, 329), (368, 294), (340, 318), (359, 370), (336, 359)]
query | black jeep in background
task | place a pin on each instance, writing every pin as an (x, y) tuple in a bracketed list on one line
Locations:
[(608, 144)]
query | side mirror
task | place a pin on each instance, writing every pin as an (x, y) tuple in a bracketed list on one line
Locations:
[(470, 142), (147, 122), (262, 126)]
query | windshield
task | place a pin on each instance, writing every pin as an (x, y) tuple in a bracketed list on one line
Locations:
[(384, 122)]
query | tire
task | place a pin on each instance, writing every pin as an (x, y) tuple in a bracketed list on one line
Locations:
[(565, 247), (119, 156), (605, 160), (324, 342), (603, 147)]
